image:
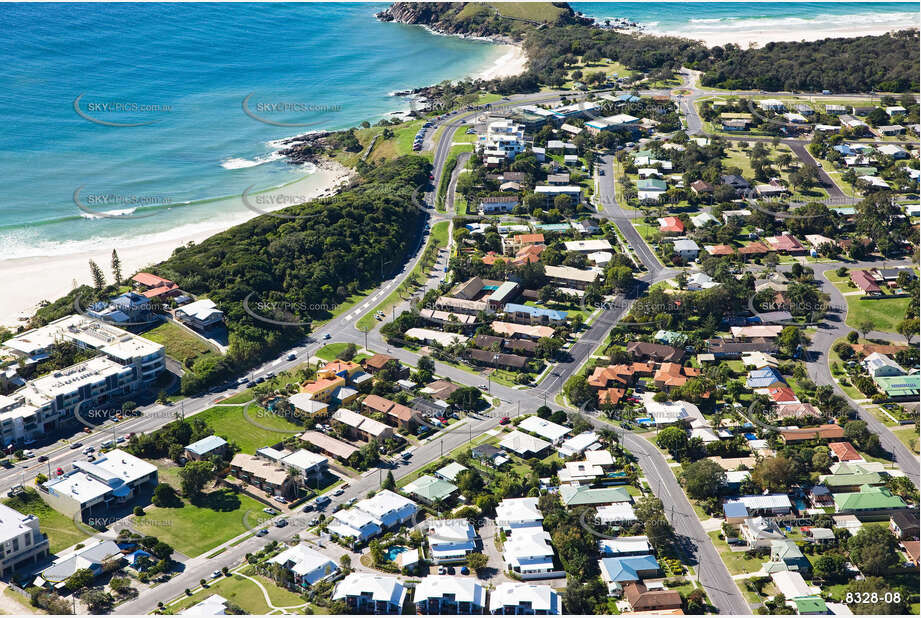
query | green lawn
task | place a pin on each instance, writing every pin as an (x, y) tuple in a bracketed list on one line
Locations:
[(736, 562), (331, 351), (537, 11), (61, 530), (909, 437), (194, 529), (884, 313), (256, 429), (179, 343), (244, 593)]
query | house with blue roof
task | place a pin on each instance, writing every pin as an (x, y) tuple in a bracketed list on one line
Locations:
[(765, 377), (619, 571), (206, 447), (845, 150), (525, 314)]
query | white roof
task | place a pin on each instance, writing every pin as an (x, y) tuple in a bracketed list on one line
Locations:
[(427, 334), (686, 244), (384, 502), (543, 428), (215, 605), (522, 443), (87, 332), (670, 411), (111, 473), (464, 589), (587, 245), (303, 459), (14, 524), (538, 598), (570, 273), (758, 330), (621, 511), (518, 510), (624, 545), (379, 587), (703, 218), (201, 309), (527, 544), (306, 403), (557, 189), (764, 502), (600, 257), (358, 421), (306, 562), (704, 433), (578, 443), (791, 584)]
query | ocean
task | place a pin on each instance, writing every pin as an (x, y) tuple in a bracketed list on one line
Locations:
[(162, 114), (180, 73)]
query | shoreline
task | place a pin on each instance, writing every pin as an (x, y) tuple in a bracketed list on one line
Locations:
[(761, 37), (51, 277)]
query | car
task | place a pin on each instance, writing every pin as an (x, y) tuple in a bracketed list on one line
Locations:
[(326, 336), (108, 444), (352, 501), (216, 574), (262, 532), (465, 571), (291, 356), (91, 458), (260, 379), (406, 455), (59, 471), (450, 570), (431, 177), (505, 420), (43, 458), (281, 499), (281, 523), (307, 508), (339, 491), (269, 510), (26, 454), (76, 445), (442, 570), (321, 501), (601, 172), (120, 439), (242, 380), (378, 318), (819, 165), (314, 521), (270, 375)]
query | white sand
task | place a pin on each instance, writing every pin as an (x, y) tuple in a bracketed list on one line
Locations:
[(511, 62), (759, 37), (26, 282)]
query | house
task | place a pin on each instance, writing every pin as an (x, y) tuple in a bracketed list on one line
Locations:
[(773, 105), (306, 565), (329, 445), (365, 593), (760, 532), (200, 315), (789, 553), (786, 243), (268, 476), (895, 110), (522, 599), (642, 350), (913, 551), (870, 503), (615, 572), (22, 541), (526, 314), (791, 584), (822, 432), (430, 489), (643, 600), (450, 540), (834, 110), (781, 394), (672, 375), (377, 362), (517, 513), (579, 444), (844, 451), (686, 249), (904, 524), (214, 605), (450, 471), (753, 248), (572, 496), (91, 488), (719, 250), (620, 513), (704, 219), (307, 464), (587, 246), (396, 414), (900, 388), (360, 426), (504, 139), (625, 546), (369, 517), (498, 298), (879, 365), (796, 410), (550, 192), (851, 476), (354, 524), (95, 558), (722, 348), (544, 428), (772, 189), (524, 445), (739, 185), (671, 225), (738, 509), (443, 594), (701, 187), (528, 554), (650, 189), (206, 447), (500, 204), (821, 536), (568, 276), (764, 378), (891, 150), (490, 454)]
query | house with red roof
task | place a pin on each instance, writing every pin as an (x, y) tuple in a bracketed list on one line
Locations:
[(844, 451), (154, 287), (754, 248), (782, 394), (719, 250), (865, 282), (786, 243), (671, 225)]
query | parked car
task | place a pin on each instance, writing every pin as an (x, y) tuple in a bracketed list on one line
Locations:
[(76, 445), (307, 508), (326, 336), (442, 570), (281, 500), (43, 458), (26, 454), (269, 510), (281, 523), (339, 491), (262, 532), (505, 420), (292, 356), (216, 574)]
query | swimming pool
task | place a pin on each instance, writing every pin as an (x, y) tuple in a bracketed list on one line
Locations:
[(751, 436), (393, 551), (644, 421)]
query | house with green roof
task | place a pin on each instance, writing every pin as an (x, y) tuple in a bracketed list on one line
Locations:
[(811, 606), (900, 387), (788, 552), (851, 479), (586, 496), (870, 503), (429, 489)]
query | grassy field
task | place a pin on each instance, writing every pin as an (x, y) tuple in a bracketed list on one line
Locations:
[(736, 157), (909, 437), (331, 351), (230, 423), (61, 530), (884, 313), (244, 593), (736, 562), (438, 238), (610, 68), (194, 529), (179, 343), (537, 11)]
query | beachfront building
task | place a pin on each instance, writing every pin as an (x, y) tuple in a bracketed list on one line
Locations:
[(92, 488), (21, 540), (504, 140), (200, 315), (521, 599), (365, 593), (450, 540), (306, 565), (443, 594)]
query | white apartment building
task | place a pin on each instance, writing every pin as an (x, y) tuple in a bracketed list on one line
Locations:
[(92, 487), (126, 363), (504, 139), (22, 544)]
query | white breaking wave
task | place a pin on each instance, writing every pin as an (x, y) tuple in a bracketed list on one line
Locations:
[(105, 214), (237, 163)]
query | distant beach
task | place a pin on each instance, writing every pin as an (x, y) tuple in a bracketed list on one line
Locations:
[(513, 61)]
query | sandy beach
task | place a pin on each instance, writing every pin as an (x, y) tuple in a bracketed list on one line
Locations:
[(511, 62), (759, 37), (26, 282)]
